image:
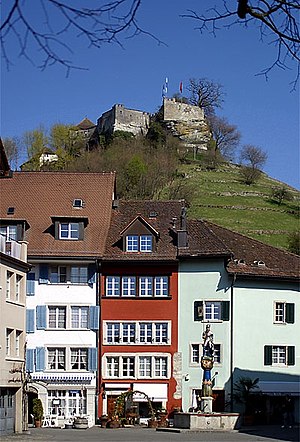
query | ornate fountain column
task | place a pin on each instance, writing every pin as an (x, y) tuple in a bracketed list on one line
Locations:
[(207, 362)]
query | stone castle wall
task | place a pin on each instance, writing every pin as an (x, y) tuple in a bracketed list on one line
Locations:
[(120, 118), (173, 110)]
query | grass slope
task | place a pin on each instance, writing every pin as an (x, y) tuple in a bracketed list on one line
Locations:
[(220, 196)]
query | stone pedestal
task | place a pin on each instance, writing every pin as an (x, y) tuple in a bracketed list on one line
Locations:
[(206, 404)]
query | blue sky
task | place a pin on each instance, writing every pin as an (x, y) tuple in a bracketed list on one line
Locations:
[(265, 112)]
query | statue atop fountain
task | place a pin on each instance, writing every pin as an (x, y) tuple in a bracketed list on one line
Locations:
[(207, 362)]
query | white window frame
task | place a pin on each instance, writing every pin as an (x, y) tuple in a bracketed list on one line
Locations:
[(130, 283), (10, 232), (79, 317), (161, 286), (57, 316), (9, 280), (196, 353), (60, 357), (18, 287), (18, 342), (146, 286), (81, 355), (146, 243), (62, 274), (216, 310), (278, 313), (113, 285), (113, 365), (145, 333), (8, 341), (69, 231), (279, 355), (132, 243)]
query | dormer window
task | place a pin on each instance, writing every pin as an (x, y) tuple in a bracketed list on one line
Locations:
[(139, 243), (10, 232), (69, 231)]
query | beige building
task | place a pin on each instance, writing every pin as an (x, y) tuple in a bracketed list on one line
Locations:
[(13, 269)]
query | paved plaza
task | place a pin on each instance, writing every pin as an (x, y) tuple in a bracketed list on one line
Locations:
[(137, 434)]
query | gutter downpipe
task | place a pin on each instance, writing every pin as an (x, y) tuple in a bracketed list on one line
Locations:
[(231, 342), (99, 337)]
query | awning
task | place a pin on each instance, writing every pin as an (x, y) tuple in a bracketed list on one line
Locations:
[(279, 388), (63, 377)]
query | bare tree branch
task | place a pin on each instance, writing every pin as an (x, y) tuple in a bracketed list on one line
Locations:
[(277, 21), (108, 23)]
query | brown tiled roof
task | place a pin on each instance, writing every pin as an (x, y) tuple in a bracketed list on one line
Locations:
[(85, 124), (127, 211), (203, 242), (39, 196), (248, 253)]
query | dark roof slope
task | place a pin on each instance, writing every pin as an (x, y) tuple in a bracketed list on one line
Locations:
[(39, 196), (254, 258), (85, 124), (159, 214)]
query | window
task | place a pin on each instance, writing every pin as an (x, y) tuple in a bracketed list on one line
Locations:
[(127, 366), (146, 243), (161, 286), (128, 286), (10, 232), (145, 366), (56, 359), (8, 341), (211, 310), (132, 243), (139, 366), (284, 312), (9, 276), (18, 287), (68, 275), (112, 366), (79, 275), (58, 274), (113, 286), (79, 317), (17, 343), (137, 333), (79, 358), (69, 231), (146, 286), (136, 243), (279, 355), (160, 366), (57, 317), (196, 353)]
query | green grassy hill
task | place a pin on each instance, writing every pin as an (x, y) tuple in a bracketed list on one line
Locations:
[(220, 196)]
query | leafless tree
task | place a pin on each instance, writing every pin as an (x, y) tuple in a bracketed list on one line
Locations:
[(276, 20), (206, 94), (108, 22), (253, 159), (226, 137)]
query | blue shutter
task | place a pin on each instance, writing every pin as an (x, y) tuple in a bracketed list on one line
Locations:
[(40, 359), (43, 274), (30, 284), (92, 359), (94, 317), (41, 317), (91, 274), (30, 321), (30, 360)]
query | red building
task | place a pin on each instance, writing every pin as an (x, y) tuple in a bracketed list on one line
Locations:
[(139, 307)]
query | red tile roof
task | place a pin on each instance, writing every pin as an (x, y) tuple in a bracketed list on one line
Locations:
[(159, 214), (39, 196)]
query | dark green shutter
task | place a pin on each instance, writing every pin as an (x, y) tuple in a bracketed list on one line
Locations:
[(268, 355), (291, 355), (20, 232), (225, 310), (198, 311), (290, 313), (56, 229)]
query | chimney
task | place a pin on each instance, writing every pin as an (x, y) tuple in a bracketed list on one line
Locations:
[(182, 238)]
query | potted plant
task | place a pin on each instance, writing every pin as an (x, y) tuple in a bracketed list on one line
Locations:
[(243, 394), (38, 412), (162, 415)]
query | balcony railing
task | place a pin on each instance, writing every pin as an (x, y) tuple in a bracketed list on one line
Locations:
[(10, 247)]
